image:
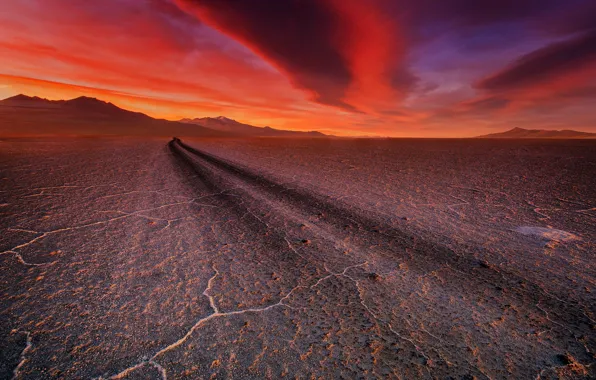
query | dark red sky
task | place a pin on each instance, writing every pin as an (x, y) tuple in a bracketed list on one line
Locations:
[(353, 67)]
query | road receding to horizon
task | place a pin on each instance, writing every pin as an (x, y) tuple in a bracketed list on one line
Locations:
[(274, 258)]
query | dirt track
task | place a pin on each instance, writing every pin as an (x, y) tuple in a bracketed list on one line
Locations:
[(129, 259)]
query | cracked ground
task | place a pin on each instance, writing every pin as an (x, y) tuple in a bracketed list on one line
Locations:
[(279, 258)]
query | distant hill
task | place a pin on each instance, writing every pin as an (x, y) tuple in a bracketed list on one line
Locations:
[(224, 124), (23, 115), (84, 105), (520, 133)]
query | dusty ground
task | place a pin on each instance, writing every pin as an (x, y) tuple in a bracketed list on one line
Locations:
[(297, 258)]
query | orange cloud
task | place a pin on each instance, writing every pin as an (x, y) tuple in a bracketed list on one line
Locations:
[(149, 59)]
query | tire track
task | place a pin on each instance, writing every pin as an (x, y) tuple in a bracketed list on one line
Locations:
[(334, 221)]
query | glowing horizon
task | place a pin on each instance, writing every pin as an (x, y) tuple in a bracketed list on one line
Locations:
[(390, 68)]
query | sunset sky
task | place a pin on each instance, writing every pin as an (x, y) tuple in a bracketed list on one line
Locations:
[(441, 68)]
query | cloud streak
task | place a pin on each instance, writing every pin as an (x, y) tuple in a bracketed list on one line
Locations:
[(545, 64)]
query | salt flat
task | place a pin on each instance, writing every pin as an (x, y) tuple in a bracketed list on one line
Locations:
[(252, 258)]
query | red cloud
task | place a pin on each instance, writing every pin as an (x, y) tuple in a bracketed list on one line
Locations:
[(342, 52)]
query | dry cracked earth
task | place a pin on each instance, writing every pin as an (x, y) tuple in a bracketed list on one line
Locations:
[(280, 258)]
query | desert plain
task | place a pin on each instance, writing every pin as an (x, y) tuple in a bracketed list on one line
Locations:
[(155, 258)]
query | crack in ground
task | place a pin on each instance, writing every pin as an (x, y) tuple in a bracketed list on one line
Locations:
[(554, 369), (207, 290), (216, 314), (59, 230), (382, 321), (22, 357), (538, 211)]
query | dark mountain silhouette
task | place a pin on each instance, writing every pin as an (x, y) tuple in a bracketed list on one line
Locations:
[(520, 133), (224, 124), (32, 115), (25, 115), (27, 101)]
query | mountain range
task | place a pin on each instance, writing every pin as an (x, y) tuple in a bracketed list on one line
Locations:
[(23, 115), (224, 124), (521, 133)]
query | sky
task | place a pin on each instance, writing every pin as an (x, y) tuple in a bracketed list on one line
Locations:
[(424, 68)]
